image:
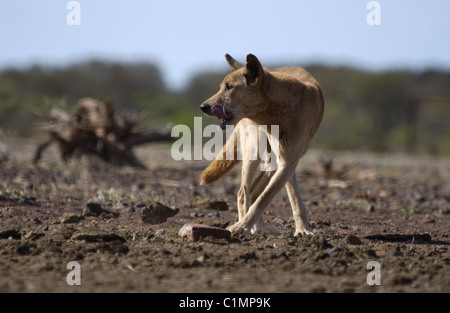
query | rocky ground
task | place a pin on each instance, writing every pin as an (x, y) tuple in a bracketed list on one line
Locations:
[(391, 209)]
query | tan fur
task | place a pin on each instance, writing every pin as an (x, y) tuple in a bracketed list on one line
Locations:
[(288, 97)]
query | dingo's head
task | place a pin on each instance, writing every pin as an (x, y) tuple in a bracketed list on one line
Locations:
[(241, 93)]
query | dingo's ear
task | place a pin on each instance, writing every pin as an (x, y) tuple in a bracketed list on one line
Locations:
[(254, 72), (235, 65)]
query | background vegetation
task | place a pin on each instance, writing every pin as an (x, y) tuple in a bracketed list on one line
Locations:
[(373, 111)]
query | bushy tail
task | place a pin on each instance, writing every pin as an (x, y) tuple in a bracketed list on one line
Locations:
[(215, 170), (221, 164)]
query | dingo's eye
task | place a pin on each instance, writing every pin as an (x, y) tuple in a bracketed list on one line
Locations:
[(228, 87)]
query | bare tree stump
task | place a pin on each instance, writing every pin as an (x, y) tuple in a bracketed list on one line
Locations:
[(95, 128)]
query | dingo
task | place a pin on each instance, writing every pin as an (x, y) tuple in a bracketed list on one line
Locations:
[(252, 95)]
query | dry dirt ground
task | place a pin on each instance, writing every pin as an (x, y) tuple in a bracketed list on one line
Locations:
[(391, 209)]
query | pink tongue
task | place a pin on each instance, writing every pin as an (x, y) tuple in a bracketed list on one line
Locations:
[(218, 111)]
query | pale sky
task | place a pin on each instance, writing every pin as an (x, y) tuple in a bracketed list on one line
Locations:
[(184, 37)]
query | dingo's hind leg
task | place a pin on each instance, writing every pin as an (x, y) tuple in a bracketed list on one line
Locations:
[(276, 181), (253, 183), (302, 226)]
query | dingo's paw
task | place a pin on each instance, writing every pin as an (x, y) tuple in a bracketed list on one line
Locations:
[(237, 228), (304, 232)]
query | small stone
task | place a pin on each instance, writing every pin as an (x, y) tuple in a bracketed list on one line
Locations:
[(370, 208), (71, 218), (33, 235), (353, 240), (193, 232), (333, 251), (36, 221), (130, 210), (157, 213), (160, 233), (95, 209), (217, 206), (92, 209), (23, 200), (396, 251), (215, 214), (201, 258)]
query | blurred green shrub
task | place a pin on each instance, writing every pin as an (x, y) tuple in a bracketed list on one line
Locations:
[(374, 111)]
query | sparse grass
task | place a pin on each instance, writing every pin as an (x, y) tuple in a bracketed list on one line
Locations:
[(199, 202), (119, 199), (110, 195), (405, 213), (166, 197)]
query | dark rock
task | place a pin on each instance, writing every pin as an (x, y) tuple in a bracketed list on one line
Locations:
[(10, 234), (96, 210), (37, 221), (217, 206), (353, 240), (157, 213), (25, 248)]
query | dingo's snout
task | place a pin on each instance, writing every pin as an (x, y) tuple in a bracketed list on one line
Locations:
[(206, 108)]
